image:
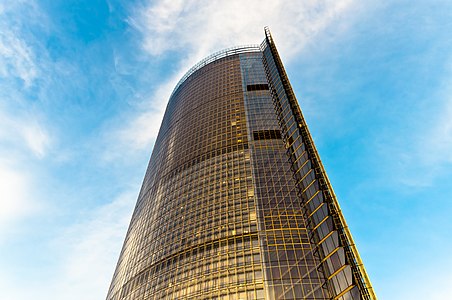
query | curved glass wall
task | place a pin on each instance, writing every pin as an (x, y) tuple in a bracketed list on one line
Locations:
[(220, 214), (193, 234)]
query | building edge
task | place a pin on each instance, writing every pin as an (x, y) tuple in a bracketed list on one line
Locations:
[(359, 272)]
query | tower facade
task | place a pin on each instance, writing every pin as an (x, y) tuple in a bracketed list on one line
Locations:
[(235, 203)]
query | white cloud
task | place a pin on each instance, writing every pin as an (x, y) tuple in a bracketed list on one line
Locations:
[(21, 126), (22, 139), (24, 131), (439, 137), (143, 128), (15, 199), (83, 255), (423, 282), (198, 28), (16, 56), (36, 137), (424, 153), (90, 250)]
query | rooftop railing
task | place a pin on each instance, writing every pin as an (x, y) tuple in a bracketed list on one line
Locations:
[(213, 57)]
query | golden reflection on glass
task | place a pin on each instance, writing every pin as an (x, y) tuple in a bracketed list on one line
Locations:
[(232, 205)]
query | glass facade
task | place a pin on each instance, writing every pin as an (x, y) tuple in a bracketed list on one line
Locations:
[(235, 203)]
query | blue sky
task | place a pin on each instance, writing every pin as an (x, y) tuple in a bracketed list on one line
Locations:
[(83, 87)]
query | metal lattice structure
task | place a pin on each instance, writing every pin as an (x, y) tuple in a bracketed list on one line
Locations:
[(235, 203)]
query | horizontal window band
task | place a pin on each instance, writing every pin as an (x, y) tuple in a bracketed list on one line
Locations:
[(266, 135), (257, 87), (186, 252)]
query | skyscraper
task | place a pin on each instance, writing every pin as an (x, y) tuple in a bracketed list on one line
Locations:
[(235, 203)]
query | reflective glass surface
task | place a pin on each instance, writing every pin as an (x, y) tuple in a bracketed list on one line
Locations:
[(234, 203), (193, 234)]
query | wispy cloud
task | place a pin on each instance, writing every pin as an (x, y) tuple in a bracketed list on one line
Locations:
[(23, 140), (179, 28), (36, 76), (422, 151), (83, 257), (182, 25), (142, 128), (20, 125), (17, 59), (439, 136), (89, 249), (16, 197), (24, 136), (24, 131)]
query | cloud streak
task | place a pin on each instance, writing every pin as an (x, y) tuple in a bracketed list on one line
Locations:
[(200, 27), (423, 152), (17, 58), (15, 200), (190, 30), (24, 136), (25, 140), (83, 257), (91, 248), (143, 128)]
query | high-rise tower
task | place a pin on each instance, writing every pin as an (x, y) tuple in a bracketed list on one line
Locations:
[(235, 203)]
